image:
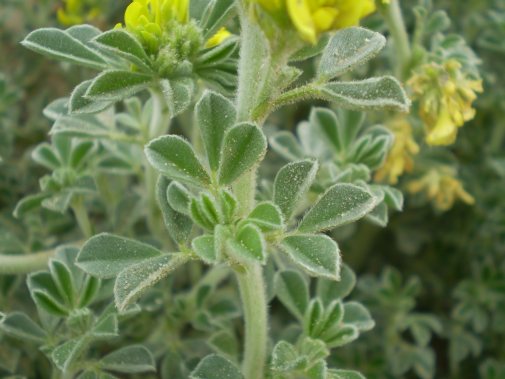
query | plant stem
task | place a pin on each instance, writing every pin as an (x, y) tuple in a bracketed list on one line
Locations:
[(252, 291), (82, 217), (394, 19), (253, 69)]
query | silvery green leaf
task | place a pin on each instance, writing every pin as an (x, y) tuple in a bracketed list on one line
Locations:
[(204, 247), (214, 115), (178, 197), (375, 93), (19, 325), (356, 314), (115, 85), (267, 216), (329, 290), (84, 33), (174, 157), (348, 48), (291, 183), (216, 367), (78, 103), (285, 358), (29, 203), (318, 254), (63, 280), (344, 374), (135, 279), (178, 224), (339, 205), (243, 147), (129, 360), (248, 244), (106, 328), (286, 145), (292, 290), (178, 94), (59, 44), (215, 15), (121, 43), (67, 353), (106, 255)]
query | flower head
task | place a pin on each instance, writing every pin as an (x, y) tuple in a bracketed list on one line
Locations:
[(445, 97), (74, 12), (400, 157), (314, 17), (442, 187)]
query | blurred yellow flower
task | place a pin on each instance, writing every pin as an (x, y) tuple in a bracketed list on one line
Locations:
[(445, 97), (400, 157), (75, 12), (313, 17), (441, 187), (220, 36)]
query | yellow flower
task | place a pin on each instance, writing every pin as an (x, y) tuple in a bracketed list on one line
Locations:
[(74, 12), (441, 187), (314, 17), (220, 36), (445, 97), (148, 18), (400, 157)]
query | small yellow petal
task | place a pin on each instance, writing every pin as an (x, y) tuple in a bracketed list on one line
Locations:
[(300, 14)]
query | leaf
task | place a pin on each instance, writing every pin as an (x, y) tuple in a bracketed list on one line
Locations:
[(215, 367), (204, 247), (291, 183), (292, 290), (329, 290), (106, 328), (357, 315), (29, 203), (341, 336), (129, 360), (178, 224), (134, 280), (344, 374), (115, 85), (19, 325), (79, 104), (348, 48), (215, 16), (249, 244), (65, 355), (243, 147), (63, 279), (123, 44), (56, 43), (339, 205), (317, 254), (106, 255), (214, 115), (374, 93), (45, 155), (178, 197), (48, 303), (285, 358), (174, 157), (286, 145), (178, 94), (267, 216)]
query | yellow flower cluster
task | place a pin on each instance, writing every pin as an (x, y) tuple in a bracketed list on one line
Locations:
[(400, 157), (75, 12), (441, 187), (445, 97), (314, 17)]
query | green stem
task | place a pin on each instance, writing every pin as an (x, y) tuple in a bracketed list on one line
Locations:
[(394, 19), (252, 291), (82, 217)]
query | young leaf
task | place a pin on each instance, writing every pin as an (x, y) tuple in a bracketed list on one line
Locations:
[(286, 145), (178, 224), (106, 255), (123, 44), (66, 354), (48, 303), (348, 48), (291, 183), (134, 280), (174, 157), (178, 94), (59, 44), (357, 315), (329, 290), (339, 205), (214, 115), (374, 93), (106, 328), (63, 279), (285, 358), (129, 360), (178, 197), (115, 85), (249, 244), (19, 325), (243, 147), (344, 374), (204, 247), (267, 216), (89, 290), (292, 290), (79, 104), (215, 367), (317, 254)]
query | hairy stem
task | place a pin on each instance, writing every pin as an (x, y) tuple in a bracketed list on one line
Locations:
[(252, 291), (82, 217), (394, 19)]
